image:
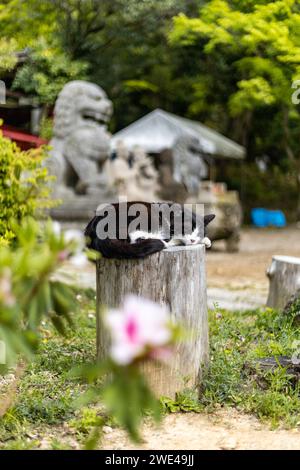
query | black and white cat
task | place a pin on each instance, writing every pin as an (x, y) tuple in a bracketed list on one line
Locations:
[(141, 243)]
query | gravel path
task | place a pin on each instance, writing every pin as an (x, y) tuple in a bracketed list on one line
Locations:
[(224, 430)]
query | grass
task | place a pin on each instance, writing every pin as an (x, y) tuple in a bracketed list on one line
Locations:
[(45, 411), (243, 338)]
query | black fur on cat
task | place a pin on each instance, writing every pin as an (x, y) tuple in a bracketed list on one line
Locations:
[(124, 248)]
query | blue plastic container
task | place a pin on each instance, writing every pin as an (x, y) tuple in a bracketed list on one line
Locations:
[(266, 218), (276, 219), (259, 217)]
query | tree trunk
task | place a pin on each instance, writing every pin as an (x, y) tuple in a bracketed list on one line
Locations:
[(175, 277), (284, 276)]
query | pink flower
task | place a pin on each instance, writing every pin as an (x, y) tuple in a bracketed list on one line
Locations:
[(6, 296), (74, 253), (140, 328), (63, 255)]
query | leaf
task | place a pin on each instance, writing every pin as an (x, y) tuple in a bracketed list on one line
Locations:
[(128, 398), (58, 323)]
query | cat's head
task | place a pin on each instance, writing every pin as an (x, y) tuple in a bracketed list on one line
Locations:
[(207, 219), (198, 234)]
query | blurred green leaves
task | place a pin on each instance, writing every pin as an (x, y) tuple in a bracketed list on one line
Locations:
[(28, 294), (8, 58), (24, 186), (124, 392), (46, 72)]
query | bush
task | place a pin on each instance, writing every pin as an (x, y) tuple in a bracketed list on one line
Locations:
[(276, 188), (23, 186), (28, 292), (46, 129)]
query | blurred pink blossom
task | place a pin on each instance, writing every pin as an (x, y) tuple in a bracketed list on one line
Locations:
[(6, 296), (75, 252), (140, 327), (63, 255)]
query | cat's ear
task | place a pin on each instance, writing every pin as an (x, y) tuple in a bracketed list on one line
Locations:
[(208, 218)]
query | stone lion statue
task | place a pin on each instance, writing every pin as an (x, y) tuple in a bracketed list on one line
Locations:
[(81, 142)]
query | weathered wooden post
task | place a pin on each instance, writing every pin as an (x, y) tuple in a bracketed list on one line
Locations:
[(175, 277), (284, 276)]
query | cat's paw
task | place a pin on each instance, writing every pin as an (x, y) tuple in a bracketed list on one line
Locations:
[(206, 241)]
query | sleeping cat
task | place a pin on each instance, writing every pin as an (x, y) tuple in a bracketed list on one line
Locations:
[(131, 241)]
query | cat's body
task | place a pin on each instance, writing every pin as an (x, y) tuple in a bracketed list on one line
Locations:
[(139, 243)]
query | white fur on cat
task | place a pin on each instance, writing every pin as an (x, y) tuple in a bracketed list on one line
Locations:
[(191, 239)]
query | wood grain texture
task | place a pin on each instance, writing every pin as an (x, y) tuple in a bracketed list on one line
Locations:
[(284, 277), (175, 277)]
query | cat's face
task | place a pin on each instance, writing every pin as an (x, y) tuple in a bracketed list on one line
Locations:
[(192, 238), (196, 236)]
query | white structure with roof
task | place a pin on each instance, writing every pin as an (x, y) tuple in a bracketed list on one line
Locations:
[(159, 130)]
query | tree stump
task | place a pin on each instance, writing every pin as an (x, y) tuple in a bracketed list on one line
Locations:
[(175, 277), (284, 276)]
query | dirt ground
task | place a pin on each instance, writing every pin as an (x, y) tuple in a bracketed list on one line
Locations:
[(248, 267), (238, 281), (225, 430)]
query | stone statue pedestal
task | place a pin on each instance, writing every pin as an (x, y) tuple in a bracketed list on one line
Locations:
[(80, 208)]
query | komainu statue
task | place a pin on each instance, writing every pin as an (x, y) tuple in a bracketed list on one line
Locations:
[(81, 142), (85, 175)]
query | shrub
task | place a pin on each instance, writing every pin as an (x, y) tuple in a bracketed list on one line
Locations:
[(46, 129), (277, 188), (23, 186), (28, 293)]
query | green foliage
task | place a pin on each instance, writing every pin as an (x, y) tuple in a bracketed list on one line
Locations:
[(187, 401), (140, 85), (26, 21), (276, 188), (8, 57), (128, 397), (46, 72), (248, 58), (253, 93), (88, 419), (46, 128), (120, 41), (292, 309), (241, 338), (46, 394), (27, 292), (123, 391), (24, 189)]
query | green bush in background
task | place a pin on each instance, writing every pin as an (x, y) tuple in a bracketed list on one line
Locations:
[(273, 189), (28, 294), (24, 188)]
